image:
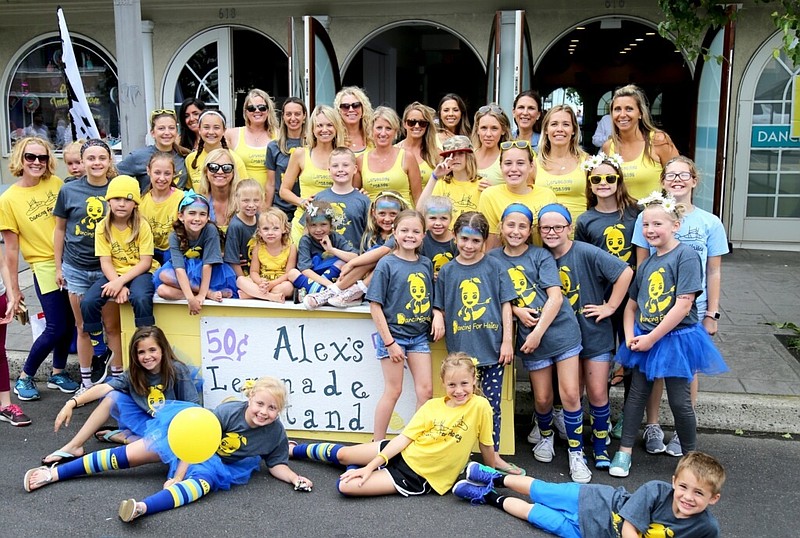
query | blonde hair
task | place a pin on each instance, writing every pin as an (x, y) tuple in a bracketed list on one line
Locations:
[(646, 125), (204, 187), (16, 164), (437, 202), (272, 385), (332, 116), (705, 468), (389, 116), (272, 120), (497, 113), (461, 360), (282, 219), (373, 232), (72, 147), (366, 112), (245, 184)]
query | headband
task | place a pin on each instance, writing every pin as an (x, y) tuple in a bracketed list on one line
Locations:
[(95, 142), (556, 208), (191, 197), (215, 112), (518, 208)]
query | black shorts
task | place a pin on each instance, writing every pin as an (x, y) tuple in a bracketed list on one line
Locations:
[(406, 481)]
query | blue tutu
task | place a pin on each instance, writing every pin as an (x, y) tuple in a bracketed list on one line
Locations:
[(222, 276), (323, 266), (218, 474), (679, 353), (127, 413)]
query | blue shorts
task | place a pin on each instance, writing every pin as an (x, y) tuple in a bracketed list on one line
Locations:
[(603, 357), (79, 280), (555, 508), (417, 344), (537, 364)]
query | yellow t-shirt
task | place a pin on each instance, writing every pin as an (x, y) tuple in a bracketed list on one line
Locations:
[(160, 216), (394, 179), (443, 438), (495, 200), (272, 267), (193, 181), (425, 172), (569, 188), (28, 212), (254, 158), (464, 195), (125, 255), (641, 176), (493, 174)]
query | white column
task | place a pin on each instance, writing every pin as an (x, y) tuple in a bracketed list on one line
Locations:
[(132, 88)]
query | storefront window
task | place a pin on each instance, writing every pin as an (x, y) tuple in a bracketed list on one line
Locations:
[(37, 94)]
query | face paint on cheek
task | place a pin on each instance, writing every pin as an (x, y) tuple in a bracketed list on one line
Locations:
[(387, 205)]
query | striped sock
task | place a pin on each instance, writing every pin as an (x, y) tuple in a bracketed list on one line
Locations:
[(573, 421), (184, 492), (86, 376), (317, 452), (545, 422), (116, 371), (96, 462), (600, 425)]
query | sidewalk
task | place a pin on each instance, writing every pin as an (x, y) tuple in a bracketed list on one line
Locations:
[(760, 393)]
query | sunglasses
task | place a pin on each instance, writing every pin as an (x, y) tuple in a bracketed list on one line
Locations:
[(31, 157), (253, 108), (672, 176), (519, 144), (415, 123), (350, 106), (608, 178), (558, 228), (490, 108), (162, 112), (215, 167)]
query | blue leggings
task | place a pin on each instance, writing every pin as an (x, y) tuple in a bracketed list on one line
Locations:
[(57, 334), (492, 387)]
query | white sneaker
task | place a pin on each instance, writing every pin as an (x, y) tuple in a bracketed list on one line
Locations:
[(312, 301), (654, 439), (544, 451), (349, 297), (674, 446), (558, 423), (578, 470), (536, 434)]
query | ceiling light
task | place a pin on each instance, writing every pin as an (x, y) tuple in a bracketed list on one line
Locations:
[(639, 39), (650, 33)]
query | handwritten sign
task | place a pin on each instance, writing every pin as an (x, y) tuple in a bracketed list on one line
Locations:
[(328, 365)]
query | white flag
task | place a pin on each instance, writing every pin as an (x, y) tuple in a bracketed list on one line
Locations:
[(79, 110)]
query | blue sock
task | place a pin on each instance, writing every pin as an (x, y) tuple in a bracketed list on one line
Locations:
[(96, 462), (545, 422), (184, 492), (601, 420), (573, 421), (317, 452), (98, 343)]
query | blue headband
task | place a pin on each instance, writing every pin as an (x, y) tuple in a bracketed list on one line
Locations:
[(190, 197), (556, 208), (518, 208)]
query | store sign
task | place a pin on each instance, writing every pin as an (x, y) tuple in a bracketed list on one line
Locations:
[(328, 366), (773, 136)]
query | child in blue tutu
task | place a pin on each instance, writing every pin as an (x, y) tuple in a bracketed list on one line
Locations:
[(663, 336), (251, 432), (154, 376), (195, 271)]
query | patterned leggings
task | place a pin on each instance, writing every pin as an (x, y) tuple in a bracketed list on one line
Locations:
[(491, 378)]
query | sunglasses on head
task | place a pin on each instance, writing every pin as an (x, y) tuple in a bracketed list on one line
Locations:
[(30, 157), (162, 112), (608, 178), (216, 167), (519, 144), (490, 108), (253, 108), (350, 106), (415, 123)]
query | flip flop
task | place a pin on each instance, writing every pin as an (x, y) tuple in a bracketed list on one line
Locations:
[(63, 456), (40, 483), (511, 469), (107, 436)]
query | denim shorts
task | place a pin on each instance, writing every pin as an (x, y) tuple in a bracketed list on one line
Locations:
[(417, 344), (79, 280), (537, 364), (603, 357)]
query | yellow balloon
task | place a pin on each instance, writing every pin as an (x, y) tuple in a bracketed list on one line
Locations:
[(194, 434)]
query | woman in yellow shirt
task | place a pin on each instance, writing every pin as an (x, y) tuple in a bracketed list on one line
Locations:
[(420, 139), (260, 127), (490, 129)]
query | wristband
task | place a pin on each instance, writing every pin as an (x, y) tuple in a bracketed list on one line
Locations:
[(434, 176), (389, 344), (385, 459), (77, 405)]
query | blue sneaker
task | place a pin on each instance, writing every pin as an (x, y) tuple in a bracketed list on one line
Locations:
[(63, 383), (620, 465), (471, 491), (481, 474), (25, 389)]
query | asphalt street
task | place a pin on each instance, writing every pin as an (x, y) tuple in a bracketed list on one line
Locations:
[(759, 499)]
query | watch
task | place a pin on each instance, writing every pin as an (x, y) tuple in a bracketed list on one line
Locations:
[(713, 315)]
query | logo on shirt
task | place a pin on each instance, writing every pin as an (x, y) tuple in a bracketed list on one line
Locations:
[(161, 230), (340, 220), (230, 443), (526, 293), (471, 305), (572, 294), (194, 252), (439, 260), (615, 242), (155, 398), (127, 253), (40, 209), (420, 299), (659, 299), (95, 211)]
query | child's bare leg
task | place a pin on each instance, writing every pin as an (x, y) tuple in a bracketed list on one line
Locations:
[(171, 293), (420, 366), (96, 419), (113, 329), (285, 289), (392, 387), (353, 276)]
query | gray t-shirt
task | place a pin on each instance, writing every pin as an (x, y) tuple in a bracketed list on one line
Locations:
[(277, 162), (307, 248), (352, 208), (182, 389), (437, 252), (135, 164), (586, 272), (240, 441), (83, 206), (650, 508), (471, 297), (609, 232), (239, 243), (659, 281), (207, 247), (404, 289), (532, 273), (598, 509)]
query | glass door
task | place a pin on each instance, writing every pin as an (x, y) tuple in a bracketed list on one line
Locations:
[(321, 78)]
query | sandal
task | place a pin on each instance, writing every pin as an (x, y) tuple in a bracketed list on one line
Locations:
[(63, 457), (107, 436), (511, 469), (617, 376), (43, 482), (129, 510)]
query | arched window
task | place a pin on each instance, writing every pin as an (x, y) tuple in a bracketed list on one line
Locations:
[(37, 95)]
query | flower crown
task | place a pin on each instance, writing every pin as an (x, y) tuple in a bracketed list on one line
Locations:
[(667, 202), (337, 220), (596, 160)]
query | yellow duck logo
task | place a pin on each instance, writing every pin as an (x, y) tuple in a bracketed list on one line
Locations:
[(659, 299), (339, 218), (161, 230), (231, 443), (440, 260), (472, 308), (194, 252), (526, 293), (155, 398), (657, 530), (571, 294), (95, 211), (615, 242)]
